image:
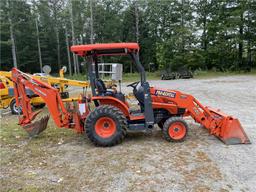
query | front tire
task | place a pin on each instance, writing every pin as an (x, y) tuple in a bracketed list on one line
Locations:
[(175, 129), (106, 126)]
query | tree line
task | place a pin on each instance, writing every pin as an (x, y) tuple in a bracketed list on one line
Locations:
[(198, 34)]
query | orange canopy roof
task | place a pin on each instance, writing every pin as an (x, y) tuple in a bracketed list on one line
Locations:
[(82, 49)]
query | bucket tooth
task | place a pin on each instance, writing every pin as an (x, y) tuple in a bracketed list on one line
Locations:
[(35, 128), (233, 133)]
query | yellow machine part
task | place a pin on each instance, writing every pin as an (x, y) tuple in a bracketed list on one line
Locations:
[(3, 92), (53, 80), (5, 102), (5, 99), (36, 100), (5, 77)]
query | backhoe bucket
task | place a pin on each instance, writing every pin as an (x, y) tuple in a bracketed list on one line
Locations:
[(35, 128), (232, 132)]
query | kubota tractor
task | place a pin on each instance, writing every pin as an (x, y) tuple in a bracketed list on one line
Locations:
[(108, 123)]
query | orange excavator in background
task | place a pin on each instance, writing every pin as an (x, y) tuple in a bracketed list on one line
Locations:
[(110, 120)]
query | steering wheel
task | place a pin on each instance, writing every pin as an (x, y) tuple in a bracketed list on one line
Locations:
[(133, 85)]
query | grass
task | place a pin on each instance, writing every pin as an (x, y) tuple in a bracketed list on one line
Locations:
[(127, 77), (19, 155), (211, 74), (11, 133), (81, 77), (131, 77)]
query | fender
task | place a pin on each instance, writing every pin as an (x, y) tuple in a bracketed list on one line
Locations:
[(114, 102)]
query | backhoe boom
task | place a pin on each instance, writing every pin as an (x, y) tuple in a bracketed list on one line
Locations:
[(51, 97)]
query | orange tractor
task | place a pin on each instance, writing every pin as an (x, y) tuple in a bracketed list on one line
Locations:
[(110, 120)]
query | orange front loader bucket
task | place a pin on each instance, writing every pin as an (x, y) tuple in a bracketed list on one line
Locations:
[(229, 129), (232, 132)]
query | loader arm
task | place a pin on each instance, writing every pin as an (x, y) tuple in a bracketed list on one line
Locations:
[(50, 95), (223, 126)]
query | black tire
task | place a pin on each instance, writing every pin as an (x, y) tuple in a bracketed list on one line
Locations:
[(161, 124), (40, 106), (110, 112), (179, 129), (15, 110)]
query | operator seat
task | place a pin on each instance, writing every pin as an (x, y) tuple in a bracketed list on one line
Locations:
[(102, 90), (139, 94)]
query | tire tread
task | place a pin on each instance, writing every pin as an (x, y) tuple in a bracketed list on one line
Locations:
[(93, 116), (167, 124)]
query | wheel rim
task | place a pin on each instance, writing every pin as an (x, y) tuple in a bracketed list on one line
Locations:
[(16, 108), (177, 130), (105, 127)]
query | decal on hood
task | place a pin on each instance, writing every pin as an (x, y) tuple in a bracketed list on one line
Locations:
[(165, 93)]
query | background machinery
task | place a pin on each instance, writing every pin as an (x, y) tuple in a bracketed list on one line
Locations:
[(110, 120), (181, 73), (61, 83), (7, 98)]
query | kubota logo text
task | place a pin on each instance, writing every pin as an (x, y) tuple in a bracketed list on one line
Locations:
[(165, 93)]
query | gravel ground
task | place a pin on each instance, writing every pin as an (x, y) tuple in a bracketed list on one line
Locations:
[(146, 162), (235, 96)]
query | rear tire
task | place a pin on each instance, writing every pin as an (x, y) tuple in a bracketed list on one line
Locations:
[(15, 110), (106, 126), (175, 129)]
